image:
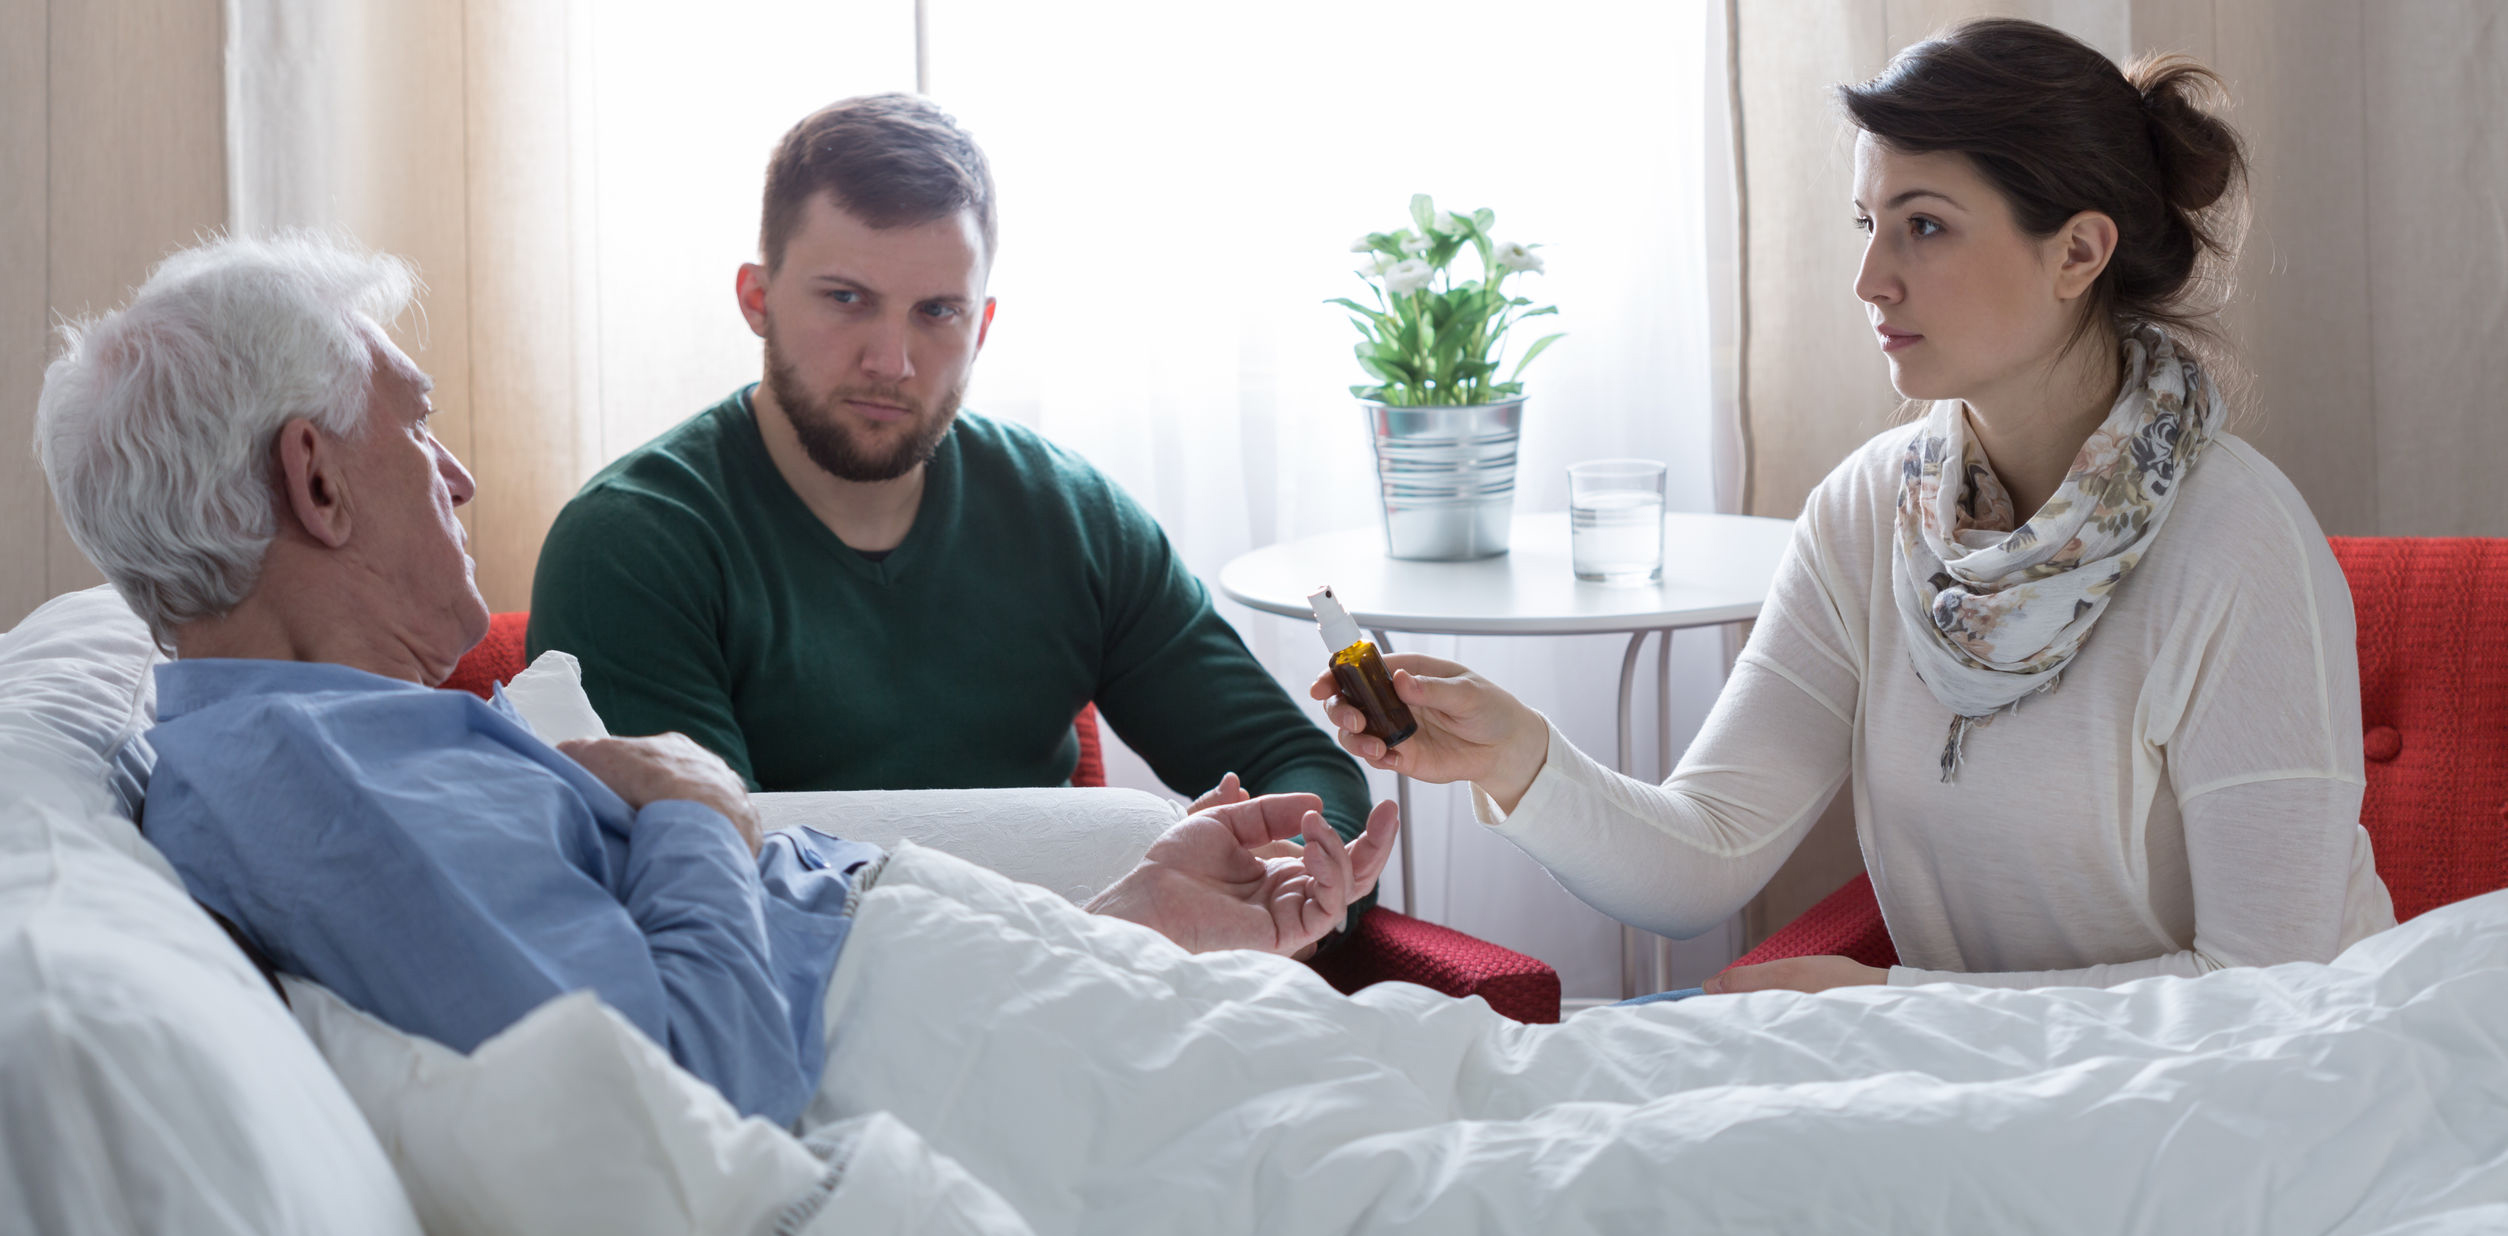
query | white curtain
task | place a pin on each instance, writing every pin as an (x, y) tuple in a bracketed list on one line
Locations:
[(1179, 185)]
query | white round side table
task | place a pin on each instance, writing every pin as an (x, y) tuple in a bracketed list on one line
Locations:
[(1716, 569)]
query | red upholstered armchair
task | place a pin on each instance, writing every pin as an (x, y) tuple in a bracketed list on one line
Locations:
[(1382, 946), (2434, 716)]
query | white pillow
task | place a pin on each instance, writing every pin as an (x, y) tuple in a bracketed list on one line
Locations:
[(1075, 841), (149, 1079), (549, 695), (77, 683), (571, 1120)]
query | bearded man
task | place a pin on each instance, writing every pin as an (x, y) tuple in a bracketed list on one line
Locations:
[(837, 580)]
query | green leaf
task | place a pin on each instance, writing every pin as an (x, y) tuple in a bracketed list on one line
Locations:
[(1422, 211), (1484, 218), (1539, 345), (1535, 313), (1376, 393), (1380, 320)]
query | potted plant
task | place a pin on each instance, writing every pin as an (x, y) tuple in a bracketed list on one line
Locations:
[(1443, 421)]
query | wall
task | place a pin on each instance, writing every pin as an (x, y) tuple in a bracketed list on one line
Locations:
[(112, 122)]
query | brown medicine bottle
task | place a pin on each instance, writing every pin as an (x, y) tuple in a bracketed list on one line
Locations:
[(1359, 671)]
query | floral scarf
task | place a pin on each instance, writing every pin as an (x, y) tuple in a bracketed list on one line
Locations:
[(1994, 613)]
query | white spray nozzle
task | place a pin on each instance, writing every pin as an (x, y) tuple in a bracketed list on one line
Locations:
[(1338, 629)]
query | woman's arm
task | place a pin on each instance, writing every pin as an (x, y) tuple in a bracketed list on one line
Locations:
[(1682, 856)]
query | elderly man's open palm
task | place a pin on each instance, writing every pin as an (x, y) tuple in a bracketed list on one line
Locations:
[(1201, 885)]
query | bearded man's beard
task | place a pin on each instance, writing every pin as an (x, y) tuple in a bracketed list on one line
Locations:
[(833, 446)]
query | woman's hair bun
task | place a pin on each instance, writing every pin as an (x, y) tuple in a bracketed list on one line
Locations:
[(2200, 157)]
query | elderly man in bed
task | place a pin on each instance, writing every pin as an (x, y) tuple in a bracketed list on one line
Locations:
[(248, 458)]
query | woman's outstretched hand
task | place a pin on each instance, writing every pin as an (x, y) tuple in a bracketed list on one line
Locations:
[(1470, 729)]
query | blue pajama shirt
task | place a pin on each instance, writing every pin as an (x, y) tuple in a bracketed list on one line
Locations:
[(423, 854)]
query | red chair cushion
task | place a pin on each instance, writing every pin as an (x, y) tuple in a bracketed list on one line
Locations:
[(497, 658), (1846, 923), (1389, 947), (1092, 767), (2434, 711)]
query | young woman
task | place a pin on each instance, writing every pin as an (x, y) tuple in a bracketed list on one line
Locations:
[(2082, 657)]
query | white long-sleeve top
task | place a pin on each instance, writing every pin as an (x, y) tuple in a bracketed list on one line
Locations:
[(2188, 799)]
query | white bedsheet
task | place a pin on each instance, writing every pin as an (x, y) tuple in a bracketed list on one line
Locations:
[(1101, 1080)]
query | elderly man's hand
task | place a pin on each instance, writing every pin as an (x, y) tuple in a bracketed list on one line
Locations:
[(1230, 790), (1202, 886), (669, 766)]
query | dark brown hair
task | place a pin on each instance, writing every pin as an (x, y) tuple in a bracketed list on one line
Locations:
[(890, 160), (2059, 129)]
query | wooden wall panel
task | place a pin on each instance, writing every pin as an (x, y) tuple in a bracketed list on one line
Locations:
[(2100, 23), (2187, 26), (527, 413), (136, 161), (2435, 219), (1818, 387), (2301, 318), (25, 505), (399, 170)]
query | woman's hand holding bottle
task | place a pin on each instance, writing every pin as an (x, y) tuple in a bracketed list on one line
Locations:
[(1470, 729)]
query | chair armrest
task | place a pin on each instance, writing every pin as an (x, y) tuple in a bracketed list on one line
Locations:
[(1846, 923), (1073, 841), (1390, 947)]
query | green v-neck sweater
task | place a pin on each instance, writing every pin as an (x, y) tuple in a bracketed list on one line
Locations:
[(702, 595)]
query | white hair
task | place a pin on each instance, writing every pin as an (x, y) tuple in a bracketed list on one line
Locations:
[(157, 423)]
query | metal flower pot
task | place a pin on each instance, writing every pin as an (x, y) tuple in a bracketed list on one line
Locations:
[(1448, 477)]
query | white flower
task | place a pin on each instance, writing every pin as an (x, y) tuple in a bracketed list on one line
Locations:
[(1443, 222), (1511, 255), (1407, 276), (1364, 244), (1414, 245)]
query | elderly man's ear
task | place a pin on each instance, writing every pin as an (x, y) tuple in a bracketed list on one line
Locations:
[(313, 469)]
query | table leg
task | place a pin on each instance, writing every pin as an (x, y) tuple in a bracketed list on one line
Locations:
[(1663, 769), (1629, 936), (1401, 803)]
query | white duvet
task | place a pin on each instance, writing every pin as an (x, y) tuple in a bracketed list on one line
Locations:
[(1098, 1080)]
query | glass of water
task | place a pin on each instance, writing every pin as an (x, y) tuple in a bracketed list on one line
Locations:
[(1615, 520)]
